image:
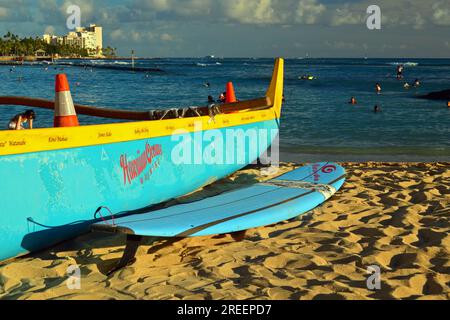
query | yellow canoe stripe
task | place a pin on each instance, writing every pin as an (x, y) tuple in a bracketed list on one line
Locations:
[(28, 141)]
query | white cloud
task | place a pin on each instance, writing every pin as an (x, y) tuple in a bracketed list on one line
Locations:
[(50, 30), (159, 5), (3, 12), (415, 14), (178, 7), (15, 11), (135, 35), (166, 37), (240, 11), (55, 12), (419, 21), (250, 11), (87, 8), (194, 8), (441, 13), (348, 15), (138, 36), (342, 45), (309, 11), (117, 34)]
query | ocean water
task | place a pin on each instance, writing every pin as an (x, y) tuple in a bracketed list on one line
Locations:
[(317, 123)]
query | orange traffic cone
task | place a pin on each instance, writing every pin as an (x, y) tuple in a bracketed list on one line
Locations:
[(231, 96), (65, 115)]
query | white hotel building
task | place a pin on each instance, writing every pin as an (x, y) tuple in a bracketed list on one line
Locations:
[(90, 38)]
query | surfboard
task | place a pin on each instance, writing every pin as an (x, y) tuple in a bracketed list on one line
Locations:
[(283, 198)]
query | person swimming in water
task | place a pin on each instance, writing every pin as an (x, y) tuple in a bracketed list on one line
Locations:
[(377, 109), (378, 88), (417, 83), (353, 101), (406, 85), (307, 77), (19, 121), (222, 98)]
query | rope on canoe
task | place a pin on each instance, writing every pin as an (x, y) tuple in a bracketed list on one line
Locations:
[(325, 189), (99, 212), (213, 111), (180, 113)]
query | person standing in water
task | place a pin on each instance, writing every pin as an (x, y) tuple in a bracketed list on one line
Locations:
[(19, 121), (400, 72), (378, 88)]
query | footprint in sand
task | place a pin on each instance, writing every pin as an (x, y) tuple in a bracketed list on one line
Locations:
[(428, 238), (403, 261)]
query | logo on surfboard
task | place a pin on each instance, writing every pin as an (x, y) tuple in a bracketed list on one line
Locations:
[(133, 169), (317, 169), (329, 169)]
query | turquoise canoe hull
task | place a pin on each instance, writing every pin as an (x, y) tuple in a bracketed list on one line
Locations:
[(51, 196)]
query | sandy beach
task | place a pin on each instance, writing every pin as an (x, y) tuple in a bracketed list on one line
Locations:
[(392, 215)]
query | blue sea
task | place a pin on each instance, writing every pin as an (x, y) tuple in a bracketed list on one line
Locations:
[(317, 123)]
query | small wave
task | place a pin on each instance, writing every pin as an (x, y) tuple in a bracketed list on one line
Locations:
[(122, 63), (108, 63), (198, 64), (408, 64), (96, 62)]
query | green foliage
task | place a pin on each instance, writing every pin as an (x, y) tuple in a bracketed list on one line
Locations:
[(12, 45), (109, 52)]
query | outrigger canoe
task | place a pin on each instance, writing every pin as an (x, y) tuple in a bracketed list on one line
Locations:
[(54, 179)]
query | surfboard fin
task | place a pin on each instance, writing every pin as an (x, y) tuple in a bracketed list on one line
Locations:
[(133, 243)]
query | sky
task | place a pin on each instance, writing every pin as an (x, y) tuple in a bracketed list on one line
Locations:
[(246, 28)]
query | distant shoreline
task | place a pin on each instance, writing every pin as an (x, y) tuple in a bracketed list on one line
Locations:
[(19, 59)]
